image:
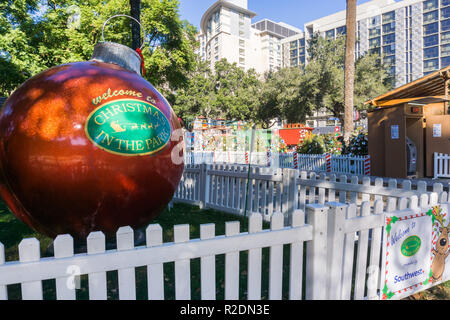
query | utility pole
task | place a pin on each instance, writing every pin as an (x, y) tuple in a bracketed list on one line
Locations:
[(349, 80)]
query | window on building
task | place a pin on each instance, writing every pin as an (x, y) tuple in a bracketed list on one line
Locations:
[(432, 40), (445, 61), (302, 41), (294, 53), (294, 62), (242, 52), (389, 38), (430, 65), (242, 60), (430, 5), (431, 16), (242, 43), (217, 58), (389, 17), (302, 59), (341, 30), (445, 13), (375, 42), (374, 21), (329, 34), (390, 60), (389, 50), (445, 25), (430, 28), (294, 44), (445, 3), (445, 37), (432, 52), (374, 32), (445, 50), (389, 27)]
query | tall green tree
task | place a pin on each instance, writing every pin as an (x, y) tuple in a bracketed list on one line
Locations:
[(326, 70), (228, 93), (286, 95), (35, 35)]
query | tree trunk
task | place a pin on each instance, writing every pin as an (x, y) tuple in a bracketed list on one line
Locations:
[(349, 68), (135, 12)]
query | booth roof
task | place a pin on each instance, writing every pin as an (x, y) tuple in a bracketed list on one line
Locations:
[(428, 89)]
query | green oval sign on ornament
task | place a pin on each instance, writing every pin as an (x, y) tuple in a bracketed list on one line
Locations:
[(411, 246), (128, 127)]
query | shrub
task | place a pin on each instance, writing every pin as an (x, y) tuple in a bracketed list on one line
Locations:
[(358, 145), (313, 144)]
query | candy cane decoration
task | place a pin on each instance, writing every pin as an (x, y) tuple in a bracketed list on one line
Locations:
[(367, 166), (328, 162), (246, 157), (295, 160)]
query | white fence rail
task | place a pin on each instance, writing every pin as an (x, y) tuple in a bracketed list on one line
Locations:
[(441, 165), (323, 162)]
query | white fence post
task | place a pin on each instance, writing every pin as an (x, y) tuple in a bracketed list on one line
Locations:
[(276, 261), (155, 272), (97, 280), (29, 251), (65, 286), (296, 260), (3, 291), (316, 253), (127, 277), (254, 260), (335, 250), (182, 266), (208, 266)]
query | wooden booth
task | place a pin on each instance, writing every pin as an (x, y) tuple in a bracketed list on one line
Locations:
[(408, 125)]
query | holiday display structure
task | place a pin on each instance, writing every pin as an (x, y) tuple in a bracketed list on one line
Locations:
[(89, 146)]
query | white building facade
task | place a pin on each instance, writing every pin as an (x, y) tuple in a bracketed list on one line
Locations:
[(227, 32)]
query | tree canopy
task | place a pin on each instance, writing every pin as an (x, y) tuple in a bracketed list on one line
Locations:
[(227, 93), (36, 35)]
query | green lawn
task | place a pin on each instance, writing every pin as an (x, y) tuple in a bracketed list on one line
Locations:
[(12, 231)]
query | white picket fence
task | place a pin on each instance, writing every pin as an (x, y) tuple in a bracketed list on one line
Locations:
[(338, 222), (441, 165), (358, 165), (224, 187)]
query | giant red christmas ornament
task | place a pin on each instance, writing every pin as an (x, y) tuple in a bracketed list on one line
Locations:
[(89, 146)]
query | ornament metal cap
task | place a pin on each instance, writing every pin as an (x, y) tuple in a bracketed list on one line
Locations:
[(111, 52)]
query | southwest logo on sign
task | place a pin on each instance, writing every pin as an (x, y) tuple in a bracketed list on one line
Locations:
[(411, 246), (128, 127)]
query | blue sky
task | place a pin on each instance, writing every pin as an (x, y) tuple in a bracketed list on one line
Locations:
[(293, 12)]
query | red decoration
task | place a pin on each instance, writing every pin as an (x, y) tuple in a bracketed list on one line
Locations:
[(56, 179)]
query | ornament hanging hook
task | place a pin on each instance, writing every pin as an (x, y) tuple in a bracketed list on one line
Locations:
[(124, 15)]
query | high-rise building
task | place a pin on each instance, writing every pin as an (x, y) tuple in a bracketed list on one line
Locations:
[(227, 32), (412, 35)]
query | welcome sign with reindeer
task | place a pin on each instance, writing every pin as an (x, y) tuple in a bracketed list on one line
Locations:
[(416, 251)]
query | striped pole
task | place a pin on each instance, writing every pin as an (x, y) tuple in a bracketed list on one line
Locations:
[(328, 162), (246, 157), (367, 166), (295, 160)]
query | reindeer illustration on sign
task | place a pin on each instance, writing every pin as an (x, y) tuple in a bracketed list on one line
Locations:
[(441, 250)]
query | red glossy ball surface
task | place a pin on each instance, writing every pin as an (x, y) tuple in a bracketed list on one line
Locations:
[(88, 146)]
